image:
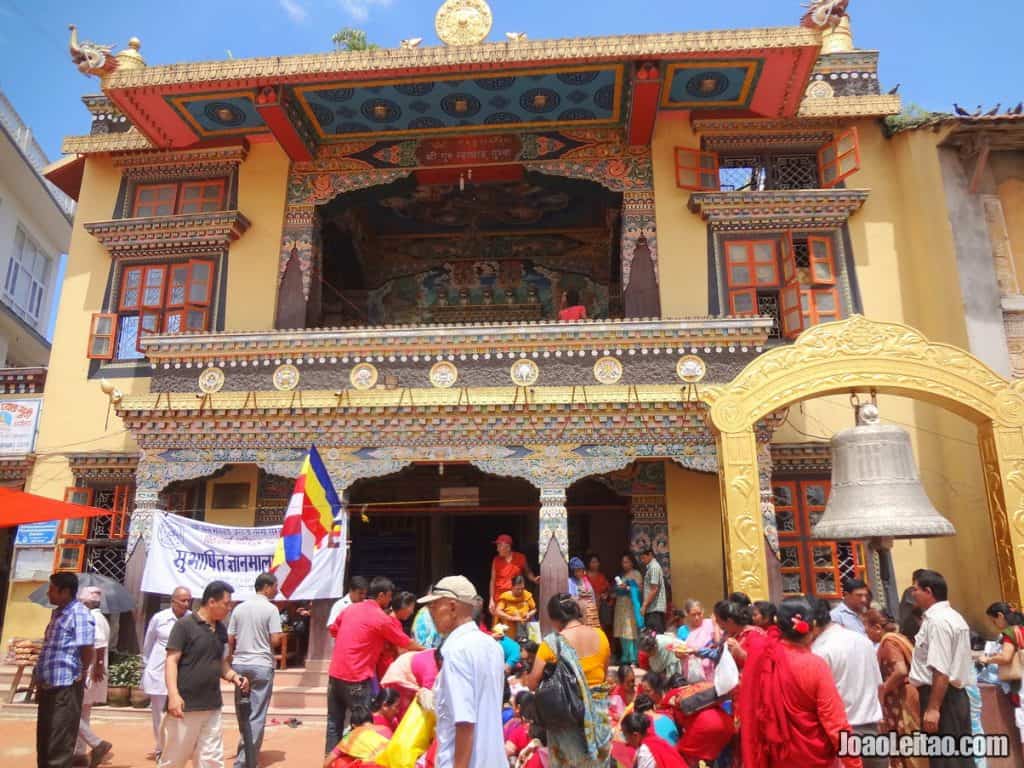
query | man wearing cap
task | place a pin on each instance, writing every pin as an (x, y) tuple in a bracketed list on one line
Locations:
[(95, 683), (506, 566), (469, 689)]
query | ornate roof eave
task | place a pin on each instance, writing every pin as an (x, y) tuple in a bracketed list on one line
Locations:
[(777, 209), (103, 466), (324, 66), (232, 154), (394, 341), (105, 142), (15, 468), (22, 381), (801, 458), (183, 233), (851, 106)]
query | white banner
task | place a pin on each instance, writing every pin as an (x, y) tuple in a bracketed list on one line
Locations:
[(18, 420), (188, 553)]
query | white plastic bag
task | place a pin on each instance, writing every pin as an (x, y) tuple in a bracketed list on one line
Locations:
[(694, 669), (727, 675)]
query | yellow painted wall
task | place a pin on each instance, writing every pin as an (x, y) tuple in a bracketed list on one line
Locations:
[(695, 535), (240, 473), (253, 258), (682, 236)]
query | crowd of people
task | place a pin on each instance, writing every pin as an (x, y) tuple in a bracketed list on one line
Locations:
[(620, 680)]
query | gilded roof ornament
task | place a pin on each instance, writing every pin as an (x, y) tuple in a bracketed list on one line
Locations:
[(463, 22)]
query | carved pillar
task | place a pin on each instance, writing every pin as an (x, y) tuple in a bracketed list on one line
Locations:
[(140, 530), (1002, 461), (771, 531), (648, 525), (552, 549), (743, 529), (296, 252), (639, 254)]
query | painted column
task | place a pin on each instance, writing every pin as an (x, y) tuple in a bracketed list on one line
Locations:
[(1002, 462), (140, 531), (552, 549), (743, 529), (639, 255), (648, 526), (295, 262), (771, 531)]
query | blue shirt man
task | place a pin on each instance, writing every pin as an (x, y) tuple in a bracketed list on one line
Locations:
[(856, 601), (66, 654)]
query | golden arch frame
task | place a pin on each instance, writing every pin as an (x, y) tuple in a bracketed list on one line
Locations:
[(858, 354)]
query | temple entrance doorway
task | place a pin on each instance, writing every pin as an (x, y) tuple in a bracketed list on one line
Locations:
[(494, 244)]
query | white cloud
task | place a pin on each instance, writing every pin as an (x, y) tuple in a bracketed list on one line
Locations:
[(359, 10), (295, 10)]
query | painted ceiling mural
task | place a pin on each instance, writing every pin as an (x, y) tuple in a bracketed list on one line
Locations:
[(547, 98)]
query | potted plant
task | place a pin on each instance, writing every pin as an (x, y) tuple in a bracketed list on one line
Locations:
[(125, 673)]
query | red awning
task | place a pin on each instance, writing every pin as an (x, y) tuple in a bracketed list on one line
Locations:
[(18, 508)]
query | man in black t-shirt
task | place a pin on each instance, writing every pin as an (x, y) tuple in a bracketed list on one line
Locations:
[(196, 663)]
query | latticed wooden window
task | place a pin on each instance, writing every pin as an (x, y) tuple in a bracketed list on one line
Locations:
[(185, 197), (96, 544), (154, 298), (809, 566)]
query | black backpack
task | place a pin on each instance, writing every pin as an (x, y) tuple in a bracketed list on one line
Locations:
[(558, 700)]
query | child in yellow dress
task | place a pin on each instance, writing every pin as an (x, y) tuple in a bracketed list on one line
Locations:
[(516, 608)]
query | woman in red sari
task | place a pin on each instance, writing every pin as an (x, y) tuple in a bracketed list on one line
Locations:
[(742, 637), (789, 707), (651, 750)]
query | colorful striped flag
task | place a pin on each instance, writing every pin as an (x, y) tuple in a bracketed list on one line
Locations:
[(307, 523)]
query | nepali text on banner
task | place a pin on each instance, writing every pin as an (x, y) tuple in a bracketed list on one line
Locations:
[(189, 553)]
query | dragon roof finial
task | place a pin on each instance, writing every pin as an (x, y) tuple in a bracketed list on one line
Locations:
[(91, 58), (824, 14)]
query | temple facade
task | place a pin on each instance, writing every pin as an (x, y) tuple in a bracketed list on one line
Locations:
[(369, 250)]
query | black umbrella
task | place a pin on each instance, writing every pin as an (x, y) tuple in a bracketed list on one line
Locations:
[(243, 710), (114, 598)]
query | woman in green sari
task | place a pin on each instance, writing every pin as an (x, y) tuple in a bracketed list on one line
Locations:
[(586, 652)]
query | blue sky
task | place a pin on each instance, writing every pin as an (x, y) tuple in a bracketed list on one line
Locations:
[(940, 51)]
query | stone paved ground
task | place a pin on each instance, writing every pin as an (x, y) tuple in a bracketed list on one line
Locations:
[(132, 737)]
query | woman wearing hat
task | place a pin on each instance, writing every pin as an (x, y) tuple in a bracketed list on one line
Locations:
[(505, 567)]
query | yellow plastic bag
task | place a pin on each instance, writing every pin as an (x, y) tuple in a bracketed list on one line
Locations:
[(411, 739)]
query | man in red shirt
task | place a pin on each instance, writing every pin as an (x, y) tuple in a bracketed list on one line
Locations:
[(360, 633), (506, 565)]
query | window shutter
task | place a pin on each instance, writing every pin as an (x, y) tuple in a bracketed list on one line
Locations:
[(196, 318), (696, 170), (822, 305), (131, 289), (789, 273), (823, 265), (839, 159), (177, 285), (76, 527), (199, 290), (791, 310), (101, 336), (743, 301), (69, 557), (153, 287), (150, 322), (119, 514)]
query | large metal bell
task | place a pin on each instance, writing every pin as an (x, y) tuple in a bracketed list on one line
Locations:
[(876, 488)]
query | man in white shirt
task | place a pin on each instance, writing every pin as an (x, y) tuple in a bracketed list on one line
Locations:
[(854, 665), (941, 667), (254, 631), (154, 654), (856, 601), (357, 589), (469, 688), (96, 683)]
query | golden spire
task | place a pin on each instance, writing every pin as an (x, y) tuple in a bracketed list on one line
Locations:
[(130, 58)]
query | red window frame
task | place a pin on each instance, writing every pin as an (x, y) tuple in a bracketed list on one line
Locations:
[(179, 200), (751, 263), (802, 509), (108, 336), (810, 303), (119, 513), (696, 170), (839, 158), (77, 552), (824, 258)]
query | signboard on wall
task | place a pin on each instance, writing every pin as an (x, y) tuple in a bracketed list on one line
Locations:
[(37, 534), (18, 422), (32, 564)]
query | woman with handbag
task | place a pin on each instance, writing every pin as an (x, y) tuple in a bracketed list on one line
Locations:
[(901, 707), (569, 677)]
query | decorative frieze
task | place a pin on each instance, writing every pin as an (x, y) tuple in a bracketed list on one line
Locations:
[(22, 381), (776, 210), (103, 467), (810, 458), (182, 234)]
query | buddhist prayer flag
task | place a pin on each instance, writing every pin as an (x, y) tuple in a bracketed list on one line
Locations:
[(307, 524)]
